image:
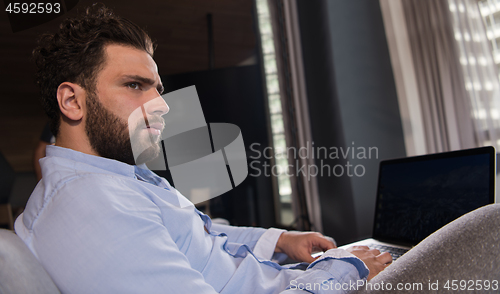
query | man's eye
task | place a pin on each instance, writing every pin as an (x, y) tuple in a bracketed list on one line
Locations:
[(134, 86)]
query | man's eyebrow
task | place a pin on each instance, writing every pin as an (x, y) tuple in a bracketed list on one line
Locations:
[(160, 88), (146, 81)]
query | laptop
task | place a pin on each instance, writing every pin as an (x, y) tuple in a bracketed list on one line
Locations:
[(418, 195)]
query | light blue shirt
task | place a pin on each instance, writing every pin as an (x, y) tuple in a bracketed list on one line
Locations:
[(102, 226)]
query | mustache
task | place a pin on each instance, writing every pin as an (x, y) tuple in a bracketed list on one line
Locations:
[(154, 120), (148, 121)]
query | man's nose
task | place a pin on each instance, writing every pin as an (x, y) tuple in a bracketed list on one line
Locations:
[(156, 106)]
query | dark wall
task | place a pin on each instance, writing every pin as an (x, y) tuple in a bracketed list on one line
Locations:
[(353, 104)]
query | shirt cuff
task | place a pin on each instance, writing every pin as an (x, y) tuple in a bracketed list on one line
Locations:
[(264, 249), (343, 255)]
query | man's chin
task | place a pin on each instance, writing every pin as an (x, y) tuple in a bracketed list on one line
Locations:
[(148, 155)]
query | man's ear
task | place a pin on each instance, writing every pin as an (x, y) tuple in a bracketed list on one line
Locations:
[(71, 99)]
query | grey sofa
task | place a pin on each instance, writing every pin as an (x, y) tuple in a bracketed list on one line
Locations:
[(20, 271), (461, 257)]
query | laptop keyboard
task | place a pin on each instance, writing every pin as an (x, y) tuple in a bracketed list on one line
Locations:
[(394, 251)]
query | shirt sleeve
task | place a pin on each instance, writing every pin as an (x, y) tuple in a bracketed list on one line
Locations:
[(336, 271), (261, 241), (107, 238), (91, 244)]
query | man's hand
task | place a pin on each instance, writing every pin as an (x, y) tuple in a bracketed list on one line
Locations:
[(373, 259), (299, 245)]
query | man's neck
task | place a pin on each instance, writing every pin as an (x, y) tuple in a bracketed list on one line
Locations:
[(74, 137)]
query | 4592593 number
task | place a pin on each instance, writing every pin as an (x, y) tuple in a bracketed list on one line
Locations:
[(473, 285), (33, 8)]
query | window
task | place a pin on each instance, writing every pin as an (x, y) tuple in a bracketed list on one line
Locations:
[(490, 11), (280, 164)]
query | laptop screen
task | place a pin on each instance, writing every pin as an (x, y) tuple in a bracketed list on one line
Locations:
[(418, 195)]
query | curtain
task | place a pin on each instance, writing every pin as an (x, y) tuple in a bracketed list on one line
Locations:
[(478, 68), (446, 107)]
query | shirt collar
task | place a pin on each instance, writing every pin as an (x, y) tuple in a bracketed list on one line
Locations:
[(143, 173), (107, 164)]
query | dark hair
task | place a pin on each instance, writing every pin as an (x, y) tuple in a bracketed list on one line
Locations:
[(76, 53)]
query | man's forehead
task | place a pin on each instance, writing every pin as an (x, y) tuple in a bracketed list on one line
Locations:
[(123, 60)]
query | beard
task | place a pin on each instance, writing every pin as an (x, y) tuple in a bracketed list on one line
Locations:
[(110, 137)]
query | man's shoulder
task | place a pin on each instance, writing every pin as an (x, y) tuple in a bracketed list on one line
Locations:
[(64, 180), (67, 189), (57, 174), (72, 165), (78, 179)]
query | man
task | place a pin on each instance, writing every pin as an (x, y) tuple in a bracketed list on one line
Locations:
[(100, 222)]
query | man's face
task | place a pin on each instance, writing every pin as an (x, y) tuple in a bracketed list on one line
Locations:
[(125, 112)]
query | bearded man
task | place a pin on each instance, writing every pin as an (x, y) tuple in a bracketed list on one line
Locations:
[(100, 222)]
